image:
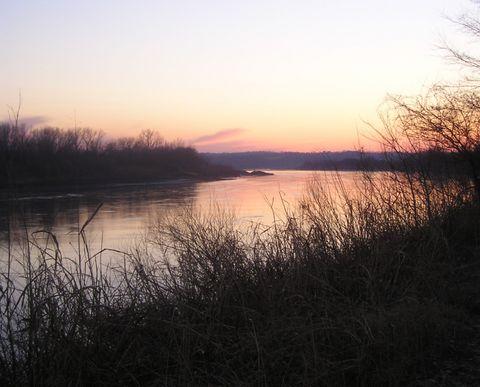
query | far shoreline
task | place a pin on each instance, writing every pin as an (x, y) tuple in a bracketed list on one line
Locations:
[(86, 184)]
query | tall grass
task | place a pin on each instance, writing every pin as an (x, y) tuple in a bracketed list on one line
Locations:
[(372, 286)]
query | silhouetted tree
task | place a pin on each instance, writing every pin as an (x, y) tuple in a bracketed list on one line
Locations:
[(445, 120), (469, 24), (444, 123), (52, 155)]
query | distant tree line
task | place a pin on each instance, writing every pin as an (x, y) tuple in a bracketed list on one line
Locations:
[(288, 160), (346, 164), (53, 155), (435, 159)]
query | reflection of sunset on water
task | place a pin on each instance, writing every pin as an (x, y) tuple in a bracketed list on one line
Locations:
[(128, 209)]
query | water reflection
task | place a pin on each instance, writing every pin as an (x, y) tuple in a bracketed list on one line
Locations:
[(127, 209)]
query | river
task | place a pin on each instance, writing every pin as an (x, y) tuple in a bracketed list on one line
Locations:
[(128, 209)]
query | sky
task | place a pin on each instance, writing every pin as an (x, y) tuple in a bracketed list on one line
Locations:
[(222, 75)]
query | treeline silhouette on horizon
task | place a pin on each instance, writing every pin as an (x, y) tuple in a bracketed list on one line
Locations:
[(83, 155), (431, 159), (283, 160)]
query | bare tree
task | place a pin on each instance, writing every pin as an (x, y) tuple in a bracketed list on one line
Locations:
[(150, 139), (469, 24), (91, 139), (446, 120)]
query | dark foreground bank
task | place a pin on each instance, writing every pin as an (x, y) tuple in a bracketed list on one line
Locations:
[(381, 292)]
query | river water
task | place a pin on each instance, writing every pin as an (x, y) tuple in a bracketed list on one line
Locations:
[(128, 209)]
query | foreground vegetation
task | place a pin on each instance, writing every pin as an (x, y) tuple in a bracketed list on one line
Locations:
[(374, 288)]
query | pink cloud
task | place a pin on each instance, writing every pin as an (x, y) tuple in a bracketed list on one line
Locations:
[(215, 137)]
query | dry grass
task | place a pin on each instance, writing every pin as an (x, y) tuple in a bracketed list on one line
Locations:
[(368, 289)]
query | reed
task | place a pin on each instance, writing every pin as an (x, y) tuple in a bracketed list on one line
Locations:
[(375, 288)]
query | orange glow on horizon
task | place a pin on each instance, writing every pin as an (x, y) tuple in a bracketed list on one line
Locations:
[(300, 78)]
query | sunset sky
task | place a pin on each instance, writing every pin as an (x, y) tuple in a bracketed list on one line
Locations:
[(222, 75)]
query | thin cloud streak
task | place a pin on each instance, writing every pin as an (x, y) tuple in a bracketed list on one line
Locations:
[(218, 136)]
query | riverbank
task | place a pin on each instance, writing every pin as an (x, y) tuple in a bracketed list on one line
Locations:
[(41, 188), (383, 294), (213, 173)]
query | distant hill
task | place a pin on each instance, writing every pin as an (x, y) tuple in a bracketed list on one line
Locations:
[(345, 160)]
